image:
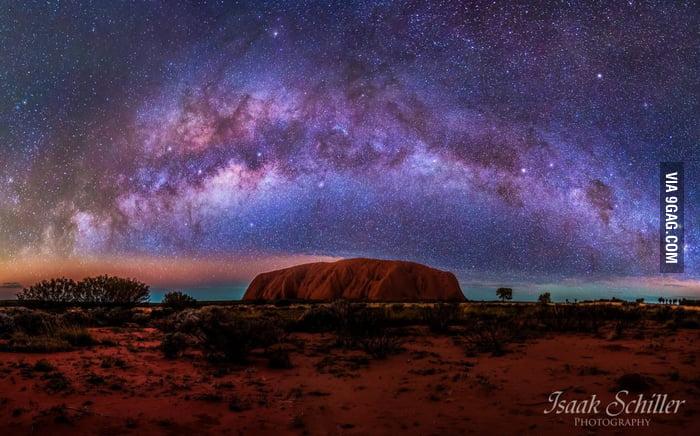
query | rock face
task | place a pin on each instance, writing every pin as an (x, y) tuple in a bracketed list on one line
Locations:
[(366, 279)]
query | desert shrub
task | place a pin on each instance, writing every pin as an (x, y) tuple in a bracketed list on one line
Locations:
[(140, 317), (689, 324), (362, 322), (663, 313), (689, 319), (679, 318), (80, 317), (350, 321), (38, 331), (223, 334), (78, 337), (490, 333), (397, 307), (633, 382), (212, 397), (174, 344), (7, 324), (110, 361), (43, 365), (587, 318), (316, 319), (61, 290), (569, 318), (279, 358), (186, 321), (91, 291), (23, 343), (178, 301), (94, 379), (119, 316), (57, 382), (381, 346), (441, 316), (229, 339), (238, 404), (34, 322), (109, 289)]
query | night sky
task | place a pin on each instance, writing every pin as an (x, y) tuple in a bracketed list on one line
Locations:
[(514, 141)]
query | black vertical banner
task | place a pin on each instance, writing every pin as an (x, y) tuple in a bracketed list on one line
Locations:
[(671, 213)]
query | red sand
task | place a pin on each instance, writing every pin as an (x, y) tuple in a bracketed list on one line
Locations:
[(367, 279), (431, 388)]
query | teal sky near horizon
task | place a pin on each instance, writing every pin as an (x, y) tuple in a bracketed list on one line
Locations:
[(479, 293), (472, 292)]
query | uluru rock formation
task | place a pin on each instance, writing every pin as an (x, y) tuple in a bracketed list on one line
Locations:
[(365, 279)]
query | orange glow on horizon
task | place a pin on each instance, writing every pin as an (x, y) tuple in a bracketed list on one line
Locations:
[(156, 272)]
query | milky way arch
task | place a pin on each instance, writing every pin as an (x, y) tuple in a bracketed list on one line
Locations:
[(517, 139)]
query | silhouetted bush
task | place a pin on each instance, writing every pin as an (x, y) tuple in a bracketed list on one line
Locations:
[(174, 344), (186, 321), (57, 382), (362, 322), (120, 316), (90, 291), (441, 316), (107, 289), (350, 321), (7, 325), (78, 337), (229, 339), (381, 346), (43, 365), (24, 343), (633, 382), (681, 318), (279, 358), (80, 317), (61, 290), (587, 318), (34, 322), (317, 318), (491, 334), (178, 301)]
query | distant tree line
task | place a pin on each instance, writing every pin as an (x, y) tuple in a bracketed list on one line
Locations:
[(89, 291), (679, 301)]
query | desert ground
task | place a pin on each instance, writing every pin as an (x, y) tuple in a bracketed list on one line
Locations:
[(343, 368)]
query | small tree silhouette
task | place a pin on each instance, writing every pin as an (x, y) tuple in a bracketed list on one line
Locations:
[(178, 300), (505, 293), (545, 298)]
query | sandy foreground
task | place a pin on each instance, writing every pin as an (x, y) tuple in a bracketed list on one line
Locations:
[(432, 387)]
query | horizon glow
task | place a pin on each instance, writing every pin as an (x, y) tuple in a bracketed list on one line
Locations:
[(190, 144)]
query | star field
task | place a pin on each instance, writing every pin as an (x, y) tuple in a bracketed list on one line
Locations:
[(500, 139)]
